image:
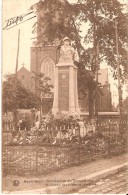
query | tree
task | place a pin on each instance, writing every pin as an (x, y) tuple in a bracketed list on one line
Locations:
[(101, 16), (65, 19), (44, 91), (16, 96), (125, 105), (58, 17), (86, 82), (42, 84)]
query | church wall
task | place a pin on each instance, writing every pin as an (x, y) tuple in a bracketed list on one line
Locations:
[(33, 59), (38, 55)]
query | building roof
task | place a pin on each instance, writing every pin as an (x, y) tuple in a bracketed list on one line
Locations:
[(25, 77), (23, 70)]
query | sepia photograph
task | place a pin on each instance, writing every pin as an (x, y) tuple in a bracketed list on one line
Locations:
[(64, 97)]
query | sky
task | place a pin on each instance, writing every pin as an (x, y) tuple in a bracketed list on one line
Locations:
[(13, 8)]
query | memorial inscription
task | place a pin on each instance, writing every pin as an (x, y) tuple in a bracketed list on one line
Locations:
[(63, 91)]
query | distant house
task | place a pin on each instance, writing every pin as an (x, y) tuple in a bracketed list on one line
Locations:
[(25, 77)]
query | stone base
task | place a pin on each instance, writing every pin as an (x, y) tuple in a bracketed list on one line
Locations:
[(66, 114)]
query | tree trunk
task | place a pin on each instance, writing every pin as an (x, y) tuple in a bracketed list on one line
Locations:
[(91, 103), (15, 118)]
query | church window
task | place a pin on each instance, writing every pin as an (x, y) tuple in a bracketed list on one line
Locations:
[(47, 67)]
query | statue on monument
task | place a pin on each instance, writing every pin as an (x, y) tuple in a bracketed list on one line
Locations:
[(67, 53)]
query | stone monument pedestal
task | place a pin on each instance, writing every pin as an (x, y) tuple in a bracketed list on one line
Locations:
[(65, 89)]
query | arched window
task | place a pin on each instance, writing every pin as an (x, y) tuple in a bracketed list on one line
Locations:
[(47, 67)]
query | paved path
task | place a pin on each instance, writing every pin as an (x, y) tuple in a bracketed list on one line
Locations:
[(114, 184)]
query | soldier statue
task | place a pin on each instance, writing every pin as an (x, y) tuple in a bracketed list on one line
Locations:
[(67, 52)]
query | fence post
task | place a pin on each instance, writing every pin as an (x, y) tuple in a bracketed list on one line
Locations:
[(37, 150), (79, 145), (109, 148), (97, 122)]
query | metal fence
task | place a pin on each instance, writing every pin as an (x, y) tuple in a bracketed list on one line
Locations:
[(53, 147)]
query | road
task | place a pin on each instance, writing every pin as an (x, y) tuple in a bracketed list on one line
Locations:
[(113, 184)]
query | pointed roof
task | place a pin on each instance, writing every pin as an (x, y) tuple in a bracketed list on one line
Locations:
[(23, 69)]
